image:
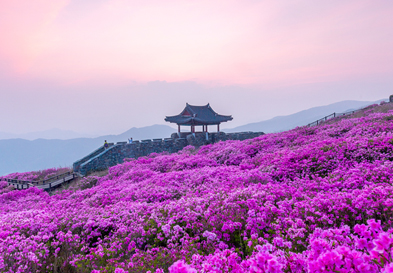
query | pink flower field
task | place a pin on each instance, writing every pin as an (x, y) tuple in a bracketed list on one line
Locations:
[(316, 199), (37, 175)]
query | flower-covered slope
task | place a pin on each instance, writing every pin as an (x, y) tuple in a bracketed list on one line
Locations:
[(36, 175), (316, 199)]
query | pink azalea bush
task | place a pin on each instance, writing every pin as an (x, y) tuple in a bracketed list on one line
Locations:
[(37, 175), (4, 188), (316, 199)]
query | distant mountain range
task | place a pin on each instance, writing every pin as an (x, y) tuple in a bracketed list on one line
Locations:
[(283, 123), (20, 155), (47, 134)]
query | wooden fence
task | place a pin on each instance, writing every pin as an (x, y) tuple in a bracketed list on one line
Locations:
[(334, 115), (46, 184)]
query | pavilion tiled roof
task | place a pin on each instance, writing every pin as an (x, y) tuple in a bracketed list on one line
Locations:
[(198, 115)]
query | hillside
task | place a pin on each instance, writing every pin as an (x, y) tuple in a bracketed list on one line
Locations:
[(315, 199), (19, 155), (283, 123)]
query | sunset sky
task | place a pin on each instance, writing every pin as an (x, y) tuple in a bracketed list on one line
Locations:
[(104, 66)]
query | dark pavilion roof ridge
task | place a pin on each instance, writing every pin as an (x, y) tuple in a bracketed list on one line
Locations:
[(198, 115)]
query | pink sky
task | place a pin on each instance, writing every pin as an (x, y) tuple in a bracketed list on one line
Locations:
[(225, 42), (260, 45)]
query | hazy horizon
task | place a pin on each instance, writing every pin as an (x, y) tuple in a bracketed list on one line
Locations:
[(103, 67), (30, 135)]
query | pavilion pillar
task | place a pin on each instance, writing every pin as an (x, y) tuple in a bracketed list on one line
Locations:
[(218, 127), (178, 130)]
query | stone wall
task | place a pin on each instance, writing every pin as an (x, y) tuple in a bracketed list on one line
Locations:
[(93, 154), (102, 159)]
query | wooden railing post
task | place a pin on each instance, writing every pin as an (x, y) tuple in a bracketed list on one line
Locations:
[(20, 184)]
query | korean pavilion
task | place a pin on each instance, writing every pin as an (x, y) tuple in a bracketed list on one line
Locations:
[(198, 116)]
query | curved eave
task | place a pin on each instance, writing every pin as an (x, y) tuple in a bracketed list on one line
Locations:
[(178, 119), (197, 121)]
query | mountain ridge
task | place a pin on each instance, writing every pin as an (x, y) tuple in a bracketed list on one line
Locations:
[(19, 155), (301, 118), (54, 133)]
